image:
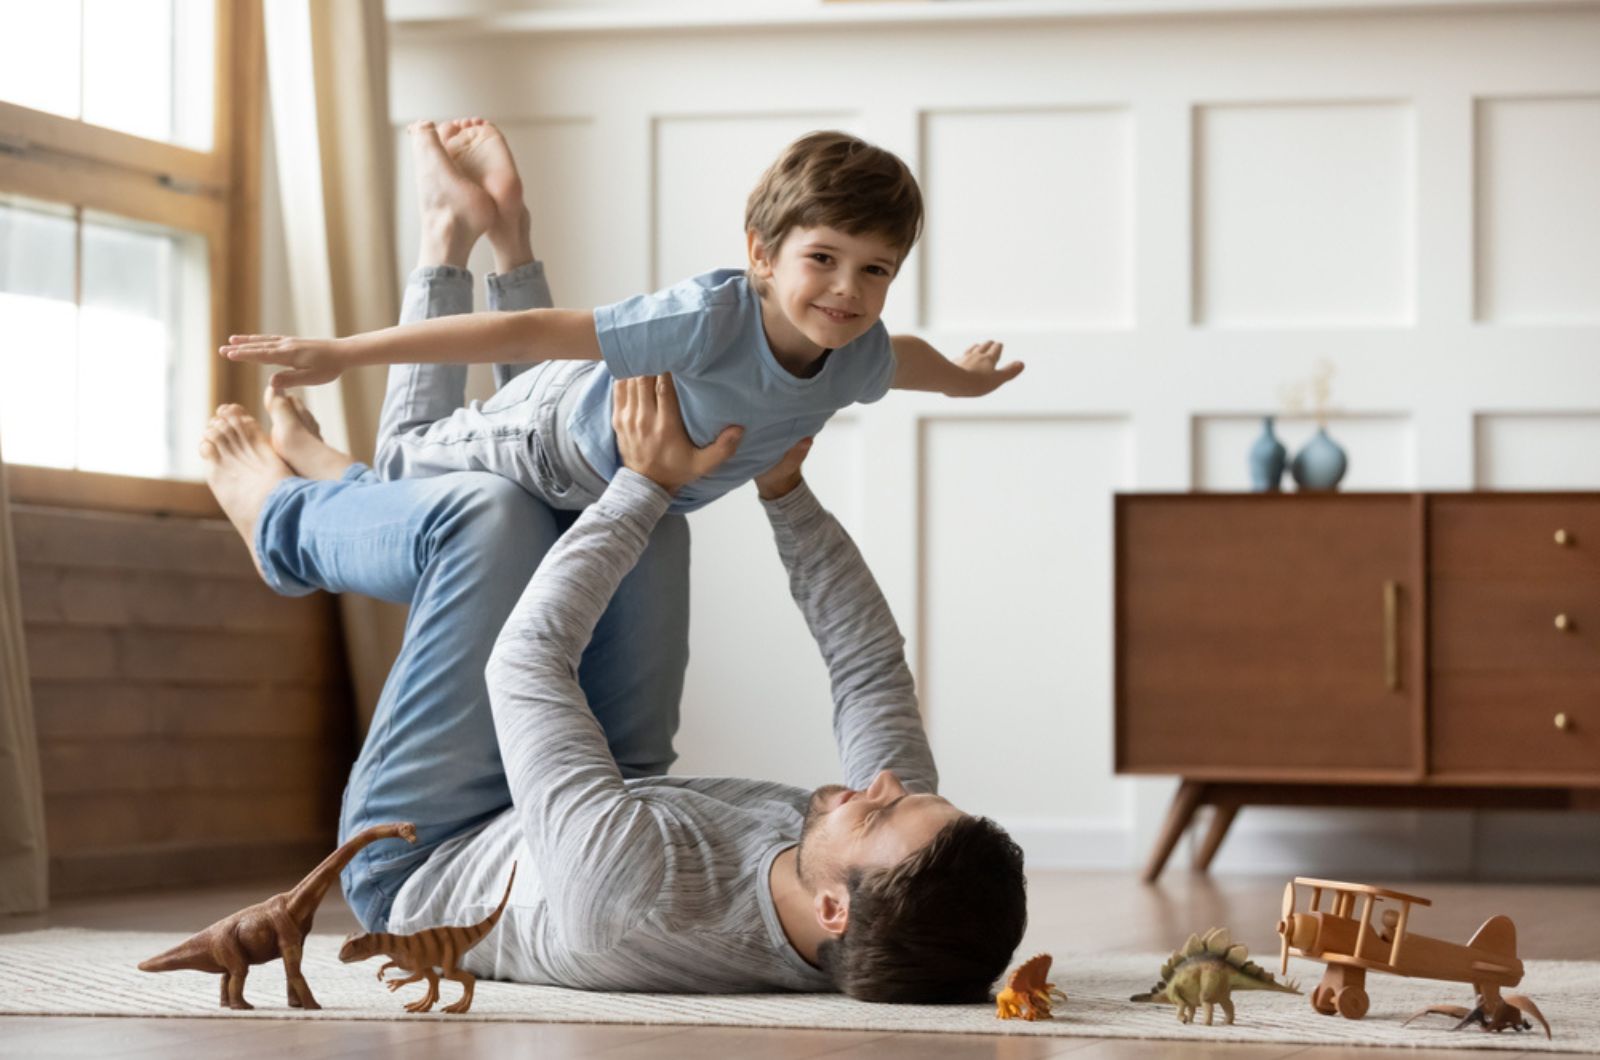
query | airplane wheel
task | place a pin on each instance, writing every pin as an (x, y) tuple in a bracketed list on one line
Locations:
[(1352, 1002), (1322, 1000)]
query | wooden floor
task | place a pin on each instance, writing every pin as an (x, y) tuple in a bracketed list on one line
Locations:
[(1069, 912)]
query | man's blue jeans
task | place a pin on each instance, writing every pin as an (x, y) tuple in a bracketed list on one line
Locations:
[(459, 549)]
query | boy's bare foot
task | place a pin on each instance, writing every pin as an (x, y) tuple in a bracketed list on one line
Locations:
[(455, 209), (482, 155), (297, 437), (241, 469)]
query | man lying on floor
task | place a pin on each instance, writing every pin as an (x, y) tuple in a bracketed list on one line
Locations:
[(881, 889)]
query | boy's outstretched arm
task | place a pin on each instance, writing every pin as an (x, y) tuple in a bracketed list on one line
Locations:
[(471, 338), (918, 366)]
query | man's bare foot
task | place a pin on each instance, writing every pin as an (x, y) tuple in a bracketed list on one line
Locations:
[(241, 469), (297, 437), (482, 155), (456, 210)]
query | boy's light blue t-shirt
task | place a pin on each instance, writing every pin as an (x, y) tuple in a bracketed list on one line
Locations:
[(707, 332)]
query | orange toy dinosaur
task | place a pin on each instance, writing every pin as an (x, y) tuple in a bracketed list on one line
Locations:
[(268, 930), (1027, 995), (436, 948)]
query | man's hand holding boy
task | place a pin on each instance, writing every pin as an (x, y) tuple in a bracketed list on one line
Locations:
[(651, 438)]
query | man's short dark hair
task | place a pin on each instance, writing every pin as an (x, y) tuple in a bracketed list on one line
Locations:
[(938, 928)]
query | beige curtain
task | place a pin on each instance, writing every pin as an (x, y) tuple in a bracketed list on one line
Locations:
[(327, 71), (24, 857)]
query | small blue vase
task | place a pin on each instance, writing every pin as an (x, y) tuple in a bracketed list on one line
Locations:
[(1321, 464), (1266, 460)]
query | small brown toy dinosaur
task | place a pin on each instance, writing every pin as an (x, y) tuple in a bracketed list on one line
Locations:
[(268, 930), (419, 955)]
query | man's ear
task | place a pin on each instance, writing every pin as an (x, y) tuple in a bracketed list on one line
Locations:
[(832, 904), (760, 258)]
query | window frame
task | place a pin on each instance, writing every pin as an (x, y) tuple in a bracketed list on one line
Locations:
[(215, 194)]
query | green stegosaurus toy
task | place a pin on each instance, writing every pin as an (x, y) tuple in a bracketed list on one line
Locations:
[(1206, 972)]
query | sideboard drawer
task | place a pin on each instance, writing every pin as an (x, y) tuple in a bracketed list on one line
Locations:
[(1533, 724), (1514, 534), (1514, 624)]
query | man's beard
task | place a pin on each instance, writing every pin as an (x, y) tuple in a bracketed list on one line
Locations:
[(814, 815)]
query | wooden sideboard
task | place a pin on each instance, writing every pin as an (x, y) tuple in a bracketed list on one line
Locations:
[(1358, 649)]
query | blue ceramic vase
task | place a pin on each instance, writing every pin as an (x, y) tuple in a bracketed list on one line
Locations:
[(1320, 464), (1267, 457)]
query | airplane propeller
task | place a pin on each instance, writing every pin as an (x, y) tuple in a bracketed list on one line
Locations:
[(1286, 927)]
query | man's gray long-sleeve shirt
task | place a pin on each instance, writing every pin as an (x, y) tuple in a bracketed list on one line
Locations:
[(658, 883)]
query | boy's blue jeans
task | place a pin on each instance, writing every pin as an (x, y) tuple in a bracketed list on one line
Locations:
[(460, 548)]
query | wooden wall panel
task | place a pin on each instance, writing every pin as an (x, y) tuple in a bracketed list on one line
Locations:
[(193, 725)]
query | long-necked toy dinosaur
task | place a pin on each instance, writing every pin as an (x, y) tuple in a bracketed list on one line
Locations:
[(421, 954), (268, 930)]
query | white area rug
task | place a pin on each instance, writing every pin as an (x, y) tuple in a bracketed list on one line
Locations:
[(72, 972)]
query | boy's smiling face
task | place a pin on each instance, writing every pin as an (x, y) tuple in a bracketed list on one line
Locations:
[(824, 288)]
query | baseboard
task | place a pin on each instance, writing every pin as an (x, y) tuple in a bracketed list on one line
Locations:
[(1053, 843)]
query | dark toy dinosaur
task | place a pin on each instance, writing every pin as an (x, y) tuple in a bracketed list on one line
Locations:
[(268, 930)]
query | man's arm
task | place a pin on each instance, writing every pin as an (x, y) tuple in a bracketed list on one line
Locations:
[(876, 722), (600, 851), (918, 366), (467, 338), (598, 848)]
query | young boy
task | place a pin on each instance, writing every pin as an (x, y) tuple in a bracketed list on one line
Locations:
[(760, 358)]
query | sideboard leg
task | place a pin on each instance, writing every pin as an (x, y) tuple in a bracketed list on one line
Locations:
[(1184, 804), (1221, 820)]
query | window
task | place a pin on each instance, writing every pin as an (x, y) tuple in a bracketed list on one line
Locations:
[(144, 67), (102, 320), (128, 151)]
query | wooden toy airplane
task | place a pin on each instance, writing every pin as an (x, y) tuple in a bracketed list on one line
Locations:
[(1351, 946)]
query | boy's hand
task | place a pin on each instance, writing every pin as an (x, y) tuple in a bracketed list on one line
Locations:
[(785, 474), (651, 438), (306, 362), (983, 375)]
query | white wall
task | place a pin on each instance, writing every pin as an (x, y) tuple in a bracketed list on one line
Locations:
[(1169, 218)]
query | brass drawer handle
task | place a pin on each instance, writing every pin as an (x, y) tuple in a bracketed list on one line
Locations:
[(1391, 635), (1563, 622), (1563, 538), (1563, 722)]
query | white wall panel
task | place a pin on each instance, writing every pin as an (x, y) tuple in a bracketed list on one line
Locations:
[(1303, 214), (705, 167), (756, 701), (1538, 452), (1016, 648), (1030, 218), (1381, 450), (1538, 232)]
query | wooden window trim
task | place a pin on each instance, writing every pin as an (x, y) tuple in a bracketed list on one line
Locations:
[(59, 488), (216, 194)]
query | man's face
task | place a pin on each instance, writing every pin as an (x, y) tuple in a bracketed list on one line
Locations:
[(828, 286), (872, 829)]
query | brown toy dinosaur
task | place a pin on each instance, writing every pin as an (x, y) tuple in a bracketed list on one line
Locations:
[(267, 930), (439, 947)]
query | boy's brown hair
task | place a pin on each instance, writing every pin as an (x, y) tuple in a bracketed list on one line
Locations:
[(832, 178)]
